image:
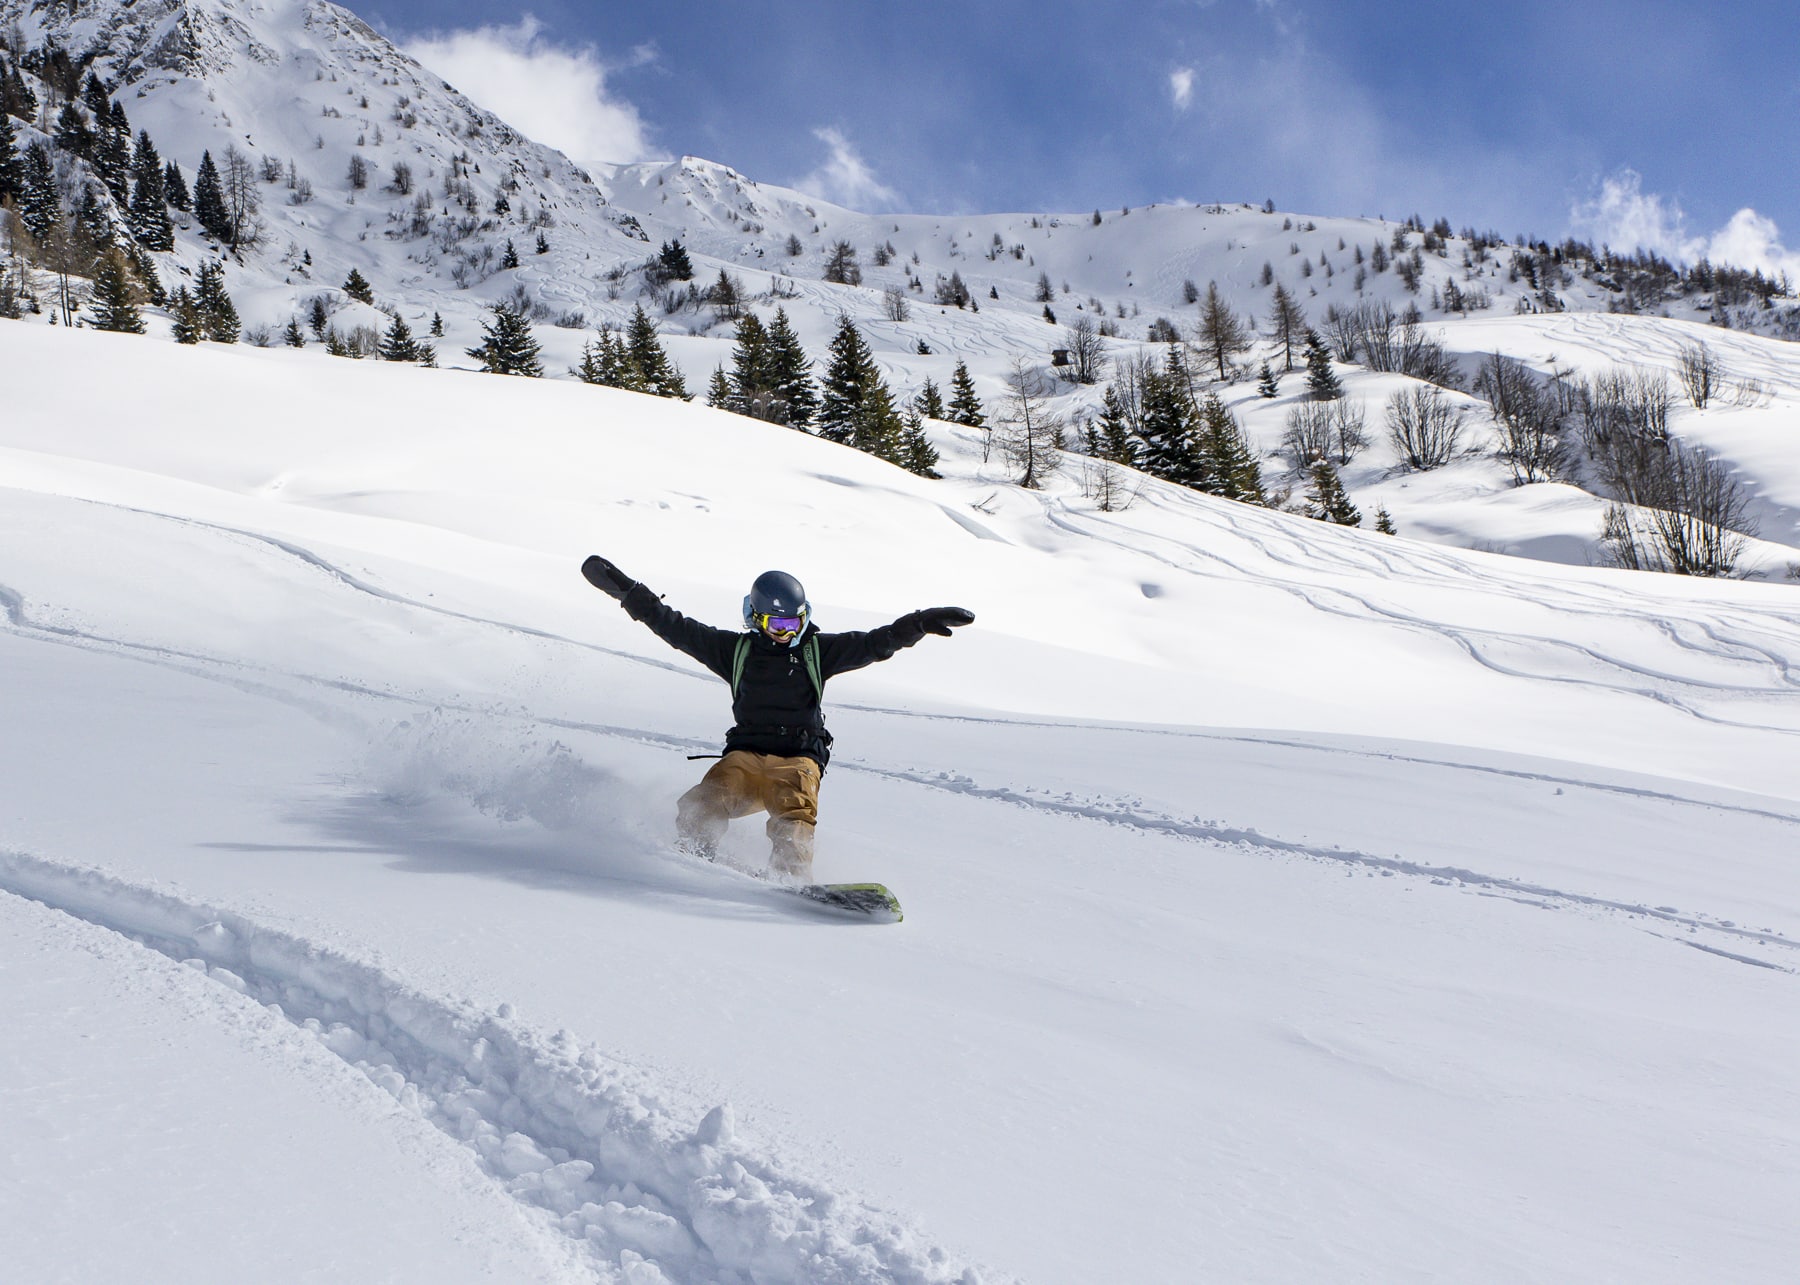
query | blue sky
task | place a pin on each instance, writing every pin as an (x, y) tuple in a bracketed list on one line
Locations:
[(1655, 122)]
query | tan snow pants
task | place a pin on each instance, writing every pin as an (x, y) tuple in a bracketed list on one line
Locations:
[(742, 783)]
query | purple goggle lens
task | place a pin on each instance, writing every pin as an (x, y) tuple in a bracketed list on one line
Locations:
[(783, 624)]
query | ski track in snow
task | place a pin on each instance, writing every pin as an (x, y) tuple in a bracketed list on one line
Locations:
[(1121, 812), (1421, 562), (581, 1140), (1480, 644), (1133, 816)]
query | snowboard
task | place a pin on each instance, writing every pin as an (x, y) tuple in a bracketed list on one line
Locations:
[(871, 902)]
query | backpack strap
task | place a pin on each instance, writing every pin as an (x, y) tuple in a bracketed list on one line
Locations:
[(737, 663), (809, 652)]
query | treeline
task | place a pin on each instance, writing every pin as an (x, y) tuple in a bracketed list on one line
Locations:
[(81, 197)]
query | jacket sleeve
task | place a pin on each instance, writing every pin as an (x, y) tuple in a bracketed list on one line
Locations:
[(711, 647), (841, 653)]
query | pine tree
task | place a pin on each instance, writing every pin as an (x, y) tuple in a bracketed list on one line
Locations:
[(879, 429), (1287, 323), (1326, 499), (674, 262), (116, 296), (39, 205), (917, 454), (1320, 378), (16, 97), (112, 154), (1267, 385), (849, 375), (94, 216), (1113, 433), (1384, 521), (209, 200), (175, 188), (929, 402), (508, 347), (1167, 424), (1230, 465), (511, 258), (294, 336), (543, 244), (218, 315), (398, 344), (12, 169), (718, 390), (796, 396), (94, 94), (149, 216), (725, 297), (72, 134), (190, 326), (590, 370), (965, 406), (751, 385), (437, 325), (652, 370), (358, 288)]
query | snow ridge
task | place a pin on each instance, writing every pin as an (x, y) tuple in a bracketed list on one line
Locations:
[(580, 1139)]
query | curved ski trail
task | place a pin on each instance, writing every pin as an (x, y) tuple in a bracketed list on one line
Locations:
[(585, 1142)]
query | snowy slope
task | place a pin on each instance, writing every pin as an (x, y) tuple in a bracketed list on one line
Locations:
[(310, 87), (1284, 902)]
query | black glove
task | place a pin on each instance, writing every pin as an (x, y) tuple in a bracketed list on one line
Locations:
[(607, 578), (936, 620)]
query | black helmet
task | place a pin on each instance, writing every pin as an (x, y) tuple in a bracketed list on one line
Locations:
[(777, 596)]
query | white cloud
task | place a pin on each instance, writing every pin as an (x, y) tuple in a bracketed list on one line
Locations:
[(1181, 86), (845, 178), (1622, 215), (552, 93)]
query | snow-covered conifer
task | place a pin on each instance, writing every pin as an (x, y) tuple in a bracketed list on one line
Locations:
[(508, 347)]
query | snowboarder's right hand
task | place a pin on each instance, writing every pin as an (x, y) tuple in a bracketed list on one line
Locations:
[(607, 578)]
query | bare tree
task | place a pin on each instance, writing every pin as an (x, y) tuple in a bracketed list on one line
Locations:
[(1087, 353), (1221, 333), (237, 183), (1529, 419), (841, 265), (1702, 529), (894, 304), (1107, 485), (1030, 434), (1624, 416), (1424, 426), (67, 251), (1335, 430), (1702, 374)]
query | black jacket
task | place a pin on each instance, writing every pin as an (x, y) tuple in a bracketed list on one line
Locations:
[(776, 710)]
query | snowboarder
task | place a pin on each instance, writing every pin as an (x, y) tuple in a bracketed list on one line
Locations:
[(777, 748)]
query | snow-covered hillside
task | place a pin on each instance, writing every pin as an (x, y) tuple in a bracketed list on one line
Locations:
[(1283, 902), (305, 90)]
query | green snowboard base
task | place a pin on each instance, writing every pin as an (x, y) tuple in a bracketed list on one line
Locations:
[(867, 901)]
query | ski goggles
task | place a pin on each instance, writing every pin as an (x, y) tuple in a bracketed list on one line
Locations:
[(779, 626)]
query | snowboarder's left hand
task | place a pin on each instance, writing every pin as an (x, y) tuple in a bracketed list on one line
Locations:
[(941, 620)]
